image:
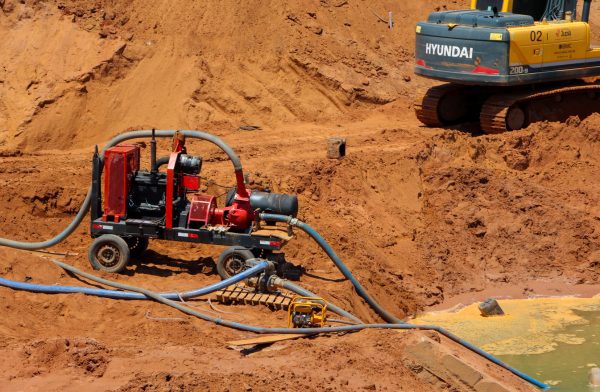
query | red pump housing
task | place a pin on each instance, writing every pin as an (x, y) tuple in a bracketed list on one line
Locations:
[(203, 209)]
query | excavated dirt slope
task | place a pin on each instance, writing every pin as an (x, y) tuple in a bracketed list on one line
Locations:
[(422, 216)]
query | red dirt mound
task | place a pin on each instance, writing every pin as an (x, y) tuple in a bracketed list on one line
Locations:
[(420, 215)]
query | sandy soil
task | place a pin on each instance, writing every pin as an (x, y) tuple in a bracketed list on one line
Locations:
[(422, 216)]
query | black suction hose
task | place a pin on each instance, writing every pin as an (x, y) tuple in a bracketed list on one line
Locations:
[(387, 316), (161, 161), (585, 15)]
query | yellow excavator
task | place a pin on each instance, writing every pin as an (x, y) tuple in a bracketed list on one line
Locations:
[(508, 63)]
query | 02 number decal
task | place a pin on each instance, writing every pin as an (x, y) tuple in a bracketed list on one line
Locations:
[(535, 36)]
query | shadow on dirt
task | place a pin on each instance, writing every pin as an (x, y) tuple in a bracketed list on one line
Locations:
[(153, 263)]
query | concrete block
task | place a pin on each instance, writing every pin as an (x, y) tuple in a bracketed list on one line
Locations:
[(490, 386), (425, 352), (461, 370), (336, 147)]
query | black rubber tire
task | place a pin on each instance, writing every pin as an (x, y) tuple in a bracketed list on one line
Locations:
[(232, 261), (109, 253), (137, 245)]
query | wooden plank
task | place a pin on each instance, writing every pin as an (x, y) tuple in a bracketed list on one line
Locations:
[(265, 339), (220, 297), (279, 302), (240, 295), (236, 294), (273, 299), (264, 299), (249, 299), (245, 294), (231, 289), (254, 300), (229, 293)]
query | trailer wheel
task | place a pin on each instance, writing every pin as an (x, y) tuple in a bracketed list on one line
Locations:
[(109, 253), (233, 261), (137, 245)]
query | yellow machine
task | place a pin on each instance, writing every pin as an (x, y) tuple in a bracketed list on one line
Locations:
[(307, 312), (509, 63)]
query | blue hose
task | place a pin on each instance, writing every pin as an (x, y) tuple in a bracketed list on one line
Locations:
[(116, 294), (387, 316)]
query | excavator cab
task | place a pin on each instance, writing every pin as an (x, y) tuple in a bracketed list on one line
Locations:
[(538, 9), (484, 5)]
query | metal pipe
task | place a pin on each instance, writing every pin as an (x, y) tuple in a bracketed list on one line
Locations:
[(153, 167), (162, 161)]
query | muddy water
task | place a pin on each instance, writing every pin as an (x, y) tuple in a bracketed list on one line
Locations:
[(566, 366), (556, 340)]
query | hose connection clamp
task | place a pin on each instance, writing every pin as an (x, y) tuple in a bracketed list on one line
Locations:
[(272, 283), (262, 283)]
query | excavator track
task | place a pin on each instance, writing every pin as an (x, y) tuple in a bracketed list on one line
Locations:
[(511, 111), (426, 107), (448, 104)]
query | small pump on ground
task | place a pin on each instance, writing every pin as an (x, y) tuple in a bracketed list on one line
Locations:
[(307, 312)]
